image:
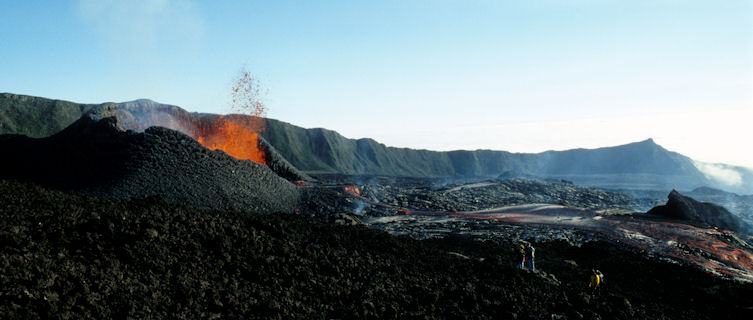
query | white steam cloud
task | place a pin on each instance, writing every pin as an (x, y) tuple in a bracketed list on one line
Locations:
[(720, 172)]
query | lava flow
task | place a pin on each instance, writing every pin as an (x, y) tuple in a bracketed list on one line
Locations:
[(353, 190), (713, 250), (235, 134)]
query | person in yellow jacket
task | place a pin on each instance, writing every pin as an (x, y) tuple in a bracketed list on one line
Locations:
[(596, 279)]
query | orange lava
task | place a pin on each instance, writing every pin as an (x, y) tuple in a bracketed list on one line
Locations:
[(237, 135), (353, 189)]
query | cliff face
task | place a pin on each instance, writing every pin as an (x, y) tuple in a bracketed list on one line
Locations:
[(641, 165), (686, 208)]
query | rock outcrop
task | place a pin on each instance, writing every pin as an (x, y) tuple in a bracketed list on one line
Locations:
[(686, 208)]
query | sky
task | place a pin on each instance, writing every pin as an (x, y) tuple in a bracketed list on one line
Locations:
[(521, 76)]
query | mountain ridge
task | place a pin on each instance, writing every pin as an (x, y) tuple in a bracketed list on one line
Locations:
[(640, 165)]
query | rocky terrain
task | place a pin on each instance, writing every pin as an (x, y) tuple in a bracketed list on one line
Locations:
[(684, 208), (145, 222), (381, 194), (96, 158), (739, 205), (642, 165), (72, 256)]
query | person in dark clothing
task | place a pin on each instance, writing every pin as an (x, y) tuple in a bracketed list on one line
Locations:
[(521, 256), (529, 256)]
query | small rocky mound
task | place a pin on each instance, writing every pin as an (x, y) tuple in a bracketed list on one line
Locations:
[(686, 208), (97, 158)]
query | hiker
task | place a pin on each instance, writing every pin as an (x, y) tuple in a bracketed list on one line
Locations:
[(521, 256), (596, 280), (529, 255)]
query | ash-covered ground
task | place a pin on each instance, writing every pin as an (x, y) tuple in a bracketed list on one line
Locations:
[(518, 210), (72, 256), (153, 225)]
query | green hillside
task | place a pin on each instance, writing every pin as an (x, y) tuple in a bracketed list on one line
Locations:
[(324, 151), (321, 150), (37, 117)]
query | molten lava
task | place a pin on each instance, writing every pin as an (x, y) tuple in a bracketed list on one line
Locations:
[(353, 190), (237, 135)]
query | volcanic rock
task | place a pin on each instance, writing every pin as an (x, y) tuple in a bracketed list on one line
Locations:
[(686, 208), (346, 219), (146, 258), (280, 165), (436, 195), (97, 158), (141, 114)]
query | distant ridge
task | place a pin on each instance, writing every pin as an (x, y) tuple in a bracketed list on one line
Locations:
[(643, 165), (640, 165)]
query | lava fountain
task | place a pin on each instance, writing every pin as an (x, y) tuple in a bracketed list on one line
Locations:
[(237, 135)]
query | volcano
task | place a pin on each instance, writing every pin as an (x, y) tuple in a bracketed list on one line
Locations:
[(637, 166), (95, 157), (200, 215)]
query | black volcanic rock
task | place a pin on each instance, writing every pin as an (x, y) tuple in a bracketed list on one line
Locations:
[(280, 165), (739, 205), (433, 195), (96, 158), (69, 256), (686, 208), (141, 114)]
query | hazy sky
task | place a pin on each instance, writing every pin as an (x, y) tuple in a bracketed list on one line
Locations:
[(522, 76)]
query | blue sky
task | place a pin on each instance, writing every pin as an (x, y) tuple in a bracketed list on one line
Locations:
[(523, 76)]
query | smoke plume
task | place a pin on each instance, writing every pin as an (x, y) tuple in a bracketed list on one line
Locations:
[(720, 172)]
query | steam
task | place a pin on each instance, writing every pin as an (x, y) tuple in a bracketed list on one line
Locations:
[(360, 205), (132, 117), (720, 172)]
